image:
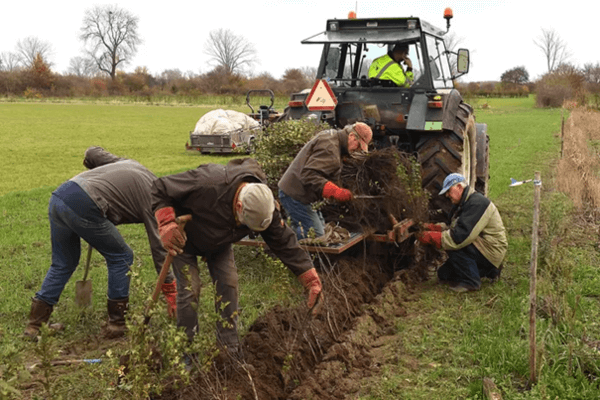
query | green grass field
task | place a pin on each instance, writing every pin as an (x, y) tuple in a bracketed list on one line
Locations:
[(453, 341)]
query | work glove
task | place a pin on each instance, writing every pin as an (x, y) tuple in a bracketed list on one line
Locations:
[(312, 283), (331, 190), (170, 292), (431, 237), (432, 227), (171, 234)]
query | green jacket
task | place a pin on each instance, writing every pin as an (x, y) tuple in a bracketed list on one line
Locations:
[(476, 220), (386, 68)]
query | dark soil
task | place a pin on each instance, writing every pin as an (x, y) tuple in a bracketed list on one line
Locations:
[(288, 354)]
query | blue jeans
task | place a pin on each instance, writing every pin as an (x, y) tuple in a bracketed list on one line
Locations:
[(466, 266), (73, 215), (303, 216)]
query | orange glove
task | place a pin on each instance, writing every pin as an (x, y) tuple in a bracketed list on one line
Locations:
[(312, 283), (432, 227), (331, 190), (170, 292), (431, 237), (173, 238)]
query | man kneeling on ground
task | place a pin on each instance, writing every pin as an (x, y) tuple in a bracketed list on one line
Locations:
[(475, 241)]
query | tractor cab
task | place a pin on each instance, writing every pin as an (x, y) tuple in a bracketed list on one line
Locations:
[(350, 46)]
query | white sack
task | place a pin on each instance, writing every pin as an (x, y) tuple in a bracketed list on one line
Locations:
[(223, 121)]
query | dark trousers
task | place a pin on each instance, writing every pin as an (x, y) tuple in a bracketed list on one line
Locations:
[(467, 266), (224, 275)]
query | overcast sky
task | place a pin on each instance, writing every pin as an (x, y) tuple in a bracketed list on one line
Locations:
[(499, 34)]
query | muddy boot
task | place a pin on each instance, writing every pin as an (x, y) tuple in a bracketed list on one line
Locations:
[(116, 318), (39, 314)]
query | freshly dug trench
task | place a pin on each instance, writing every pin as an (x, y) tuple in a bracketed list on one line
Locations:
[(289, 354)]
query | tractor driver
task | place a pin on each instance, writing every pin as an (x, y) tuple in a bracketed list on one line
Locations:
[(387, 67)]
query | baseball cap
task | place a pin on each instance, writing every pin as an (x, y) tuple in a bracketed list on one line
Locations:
[(450, 181), (258, 205), (364, 133)]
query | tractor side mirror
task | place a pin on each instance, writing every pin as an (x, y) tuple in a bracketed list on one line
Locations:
[(463, 61)]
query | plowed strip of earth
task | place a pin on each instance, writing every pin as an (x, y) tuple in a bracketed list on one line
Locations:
[(288, 354)]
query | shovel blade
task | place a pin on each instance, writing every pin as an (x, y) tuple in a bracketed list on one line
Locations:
[(83, 293)]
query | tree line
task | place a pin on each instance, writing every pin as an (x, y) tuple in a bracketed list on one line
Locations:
[(110, 37)]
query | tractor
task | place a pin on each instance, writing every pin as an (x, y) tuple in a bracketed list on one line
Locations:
[(428, 119)]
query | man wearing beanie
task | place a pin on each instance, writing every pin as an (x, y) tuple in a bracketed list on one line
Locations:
[(315, 174), (226, 204)]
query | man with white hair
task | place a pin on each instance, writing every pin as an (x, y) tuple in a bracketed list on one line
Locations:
[(475, 240), (226, 203)]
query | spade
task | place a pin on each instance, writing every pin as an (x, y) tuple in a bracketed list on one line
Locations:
[(83, 289)]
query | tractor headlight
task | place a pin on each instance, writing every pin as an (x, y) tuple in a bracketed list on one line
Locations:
[(412, 24)]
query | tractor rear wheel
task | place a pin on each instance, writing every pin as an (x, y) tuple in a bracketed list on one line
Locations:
[(450, 151)]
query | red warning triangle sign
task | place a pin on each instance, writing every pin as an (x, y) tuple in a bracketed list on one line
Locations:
[(321, 97)]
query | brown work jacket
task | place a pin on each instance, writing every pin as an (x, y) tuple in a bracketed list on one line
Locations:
[(319, 161), (207, 193)]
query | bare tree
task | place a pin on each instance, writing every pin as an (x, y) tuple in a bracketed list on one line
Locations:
[(30, 47), (452, 41), (591, 72), (9, 61), (111, 37), (554, 48), (225, 48), (82, 67), (310, 74)]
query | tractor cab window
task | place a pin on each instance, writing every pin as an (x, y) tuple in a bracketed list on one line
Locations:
[(348, 63), (439, 65)]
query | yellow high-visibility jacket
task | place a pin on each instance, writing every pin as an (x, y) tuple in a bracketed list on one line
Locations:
[(386, 68)]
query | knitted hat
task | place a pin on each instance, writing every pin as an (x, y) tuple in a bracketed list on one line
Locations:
[(258, 205), (450, 181), (365, 134)]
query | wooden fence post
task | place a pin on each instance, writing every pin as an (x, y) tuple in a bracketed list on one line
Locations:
[(537, 183), (562, 133)]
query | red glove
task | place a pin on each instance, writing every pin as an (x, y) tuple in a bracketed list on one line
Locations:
[(312, 283), (170, 292), (173, 238), (432, 227), (332, 190), (431, 237)]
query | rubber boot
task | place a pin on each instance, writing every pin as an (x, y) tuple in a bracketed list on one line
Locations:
[(39, 314), (116, 318), (170, 292)]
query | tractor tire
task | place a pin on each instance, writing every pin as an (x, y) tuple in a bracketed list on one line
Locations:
[(443, 153)]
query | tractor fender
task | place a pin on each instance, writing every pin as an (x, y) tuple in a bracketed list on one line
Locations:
[(482, 140), (452, 101)]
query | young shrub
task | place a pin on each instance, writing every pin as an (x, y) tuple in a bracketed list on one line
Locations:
[(277, 146)]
